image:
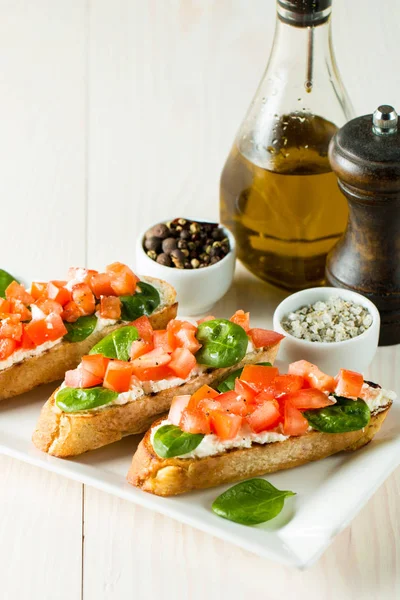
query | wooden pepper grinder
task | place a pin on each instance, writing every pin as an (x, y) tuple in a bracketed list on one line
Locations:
[(365, 155)]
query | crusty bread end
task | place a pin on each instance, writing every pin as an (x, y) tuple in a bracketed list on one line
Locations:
[(169, 477), (69, 434)]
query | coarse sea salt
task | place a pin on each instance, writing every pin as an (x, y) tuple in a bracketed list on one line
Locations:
[(334, 320)]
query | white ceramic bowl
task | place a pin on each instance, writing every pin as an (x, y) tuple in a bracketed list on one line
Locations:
[(355, 354), (197, 289)]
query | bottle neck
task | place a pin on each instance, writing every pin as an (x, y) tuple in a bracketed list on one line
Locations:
[(304, 13)]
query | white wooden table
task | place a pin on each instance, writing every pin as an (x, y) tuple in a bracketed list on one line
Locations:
[(115, 113)]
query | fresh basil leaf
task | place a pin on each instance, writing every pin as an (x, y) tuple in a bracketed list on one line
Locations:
[(345, 415), (228, 384), (171, 441), (5, 280), (141, 303), (117, 344), (223, 343), (81, 329), (250, 502), (72, 400)]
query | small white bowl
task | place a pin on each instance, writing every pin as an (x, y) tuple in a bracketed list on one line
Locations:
[(355, 354), (197, 289)]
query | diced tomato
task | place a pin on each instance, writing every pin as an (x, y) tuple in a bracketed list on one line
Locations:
[(283, 384), (139, 347), (266, 416), (5, 306), (110, 307), (118, 376), (245, 391), (44, 330), (153, 373), (195, 421), (144, 327), (316, 378), (182, 362), (81, 275), (95, 364), (80, 378), (26, 342), (186, 338), (349, 383), (155, 358), (225, 426), (232, 404), (7, 347), (294, 422), (18, 308), (83, 297), (48, 306), (241, 318), (123, 280), (57, 293), (265, 396), (261, 377), (205, 392), (161, 340), (308, 399), (11, 328), (71, 312), (18, 292), (101, 285), (205, 319), (38, 288), (261, 338), (178, 404)]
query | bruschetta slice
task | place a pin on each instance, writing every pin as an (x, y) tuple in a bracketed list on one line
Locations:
[(131, 376), (45, 330), (265, 423)]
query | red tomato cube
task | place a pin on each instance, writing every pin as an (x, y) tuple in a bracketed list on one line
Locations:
[(38, 288), (95, 364), (57, 293), (139, 347), (101, 285), (80, 378), (110, 307), (182, 362), (195, 421), (263, 338), (48, 306), (161, 340), (123, 280), (7, 347), (71, 312), (83, 297), (18, 308), (283, 384), (316, 378), (241, 318), (18, 292), (294, 422), (349, 384), (225, 426), (259, 376), (118, 376), (178, 404), (231, 403), (144, 327), (11, 328), (308, 399), (266, 416)]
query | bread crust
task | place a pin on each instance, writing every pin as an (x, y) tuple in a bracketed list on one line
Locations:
[(53, 363), (69, 434), (169, 477)]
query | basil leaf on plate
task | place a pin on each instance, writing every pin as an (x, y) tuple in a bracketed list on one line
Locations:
[(117, 344), (228, 384), (171, 441), (81, 329), (223, 343), (346, 415), (251, 502), (5, 280), (141, 303), (72, 400)]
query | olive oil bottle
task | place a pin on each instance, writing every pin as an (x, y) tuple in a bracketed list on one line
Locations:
[(279, 195)]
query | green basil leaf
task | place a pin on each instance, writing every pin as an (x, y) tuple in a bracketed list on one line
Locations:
[(117, 344), (251, 502), (223, 343), (5, 280), (171, 441), (345, 415), (228, 384), (81, 329), (76, 399), (141, 303)]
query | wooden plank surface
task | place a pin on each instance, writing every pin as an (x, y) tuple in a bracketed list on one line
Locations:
[(114, 115)]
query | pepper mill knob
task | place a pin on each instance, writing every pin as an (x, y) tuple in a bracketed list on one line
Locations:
[(365, 155)]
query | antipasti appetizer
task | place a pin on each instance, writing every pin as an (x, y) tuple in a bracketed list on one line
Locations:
[(258, 423), (45, 331), (130, 377)]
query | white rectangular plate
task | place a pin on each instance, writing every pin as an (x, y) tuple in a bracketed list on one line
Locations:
[(329, 492)]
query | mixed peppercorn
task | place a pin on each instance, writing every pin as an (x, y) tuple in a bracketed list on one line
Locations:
[(186, 244)]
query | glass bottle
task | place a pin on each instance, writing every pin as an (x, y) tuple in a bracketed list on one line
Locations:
[(279, 195)]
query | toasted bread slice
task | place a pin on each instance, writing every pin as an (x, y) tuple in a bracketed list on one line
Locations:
[(68, 434), (53, 363), (169, 477)]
